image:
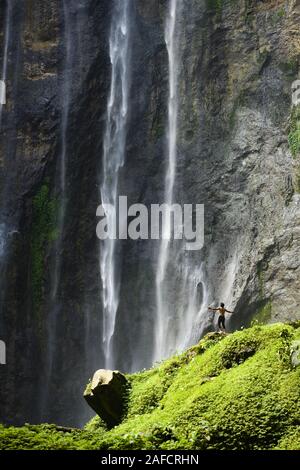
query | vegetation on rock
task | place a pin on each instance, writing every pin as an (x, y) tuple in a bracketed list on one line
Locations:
[(294, 134), (234, 392), (47, 437), (43, 232), (264, 314)]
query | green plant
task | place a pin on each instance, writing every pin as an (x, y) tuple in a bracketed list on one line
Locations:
[(215, 5), (263, 314), (290, 67), (294, 132), (47, 437), (277, 16), (43, 232)]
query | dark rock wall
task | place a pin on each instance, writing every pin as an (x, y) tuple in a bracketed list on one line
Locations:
[(30, 150), (238, 61)]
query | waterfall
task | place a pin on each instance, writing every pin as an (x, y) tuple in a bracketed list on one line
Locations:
[(181, 293), (113, 159), (164, 250), (8, 17)]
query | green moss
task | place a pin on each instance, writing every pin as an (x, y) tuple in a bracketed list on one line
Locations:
[(232, 396), (96, 424), (294, 132), (261, 282), (263, 315), (43, 232), (234, 392), (277, 16), (281, 13), (297, 181), (290, 67), (239, 102), (291, 440), (218, 5), (47, 437), (215, 5), (262, 56), (158, 129)]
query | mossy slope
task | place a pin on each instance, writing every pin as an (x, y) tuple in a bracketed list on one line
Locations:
[(233, 392)]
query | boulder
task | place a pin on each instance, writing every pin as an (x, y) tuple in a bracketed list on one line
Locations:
[(106, 395), (295, 353)]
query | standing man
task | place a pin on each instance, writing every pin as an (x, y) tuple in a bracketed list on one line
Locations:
[(221, 320)]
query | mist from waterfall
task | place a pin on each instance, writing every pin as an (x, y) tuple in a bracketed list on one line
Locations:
[(113, 159)]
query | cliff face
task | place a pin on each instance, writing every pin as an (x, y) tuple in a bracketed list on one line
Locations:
[(238, 61), (47, 341)]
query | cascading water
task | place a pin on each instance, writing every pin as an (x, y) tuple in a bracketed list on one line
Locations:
[(3, 224), (178, 278), (163, 258), (113, 160), (8, 16)]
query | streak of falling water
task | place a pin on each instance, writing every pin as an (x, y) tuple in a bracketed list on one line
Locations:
[(113, 159), (65, 106), (196, 298), (163, 258), (181, 292), (8, 18), (2, 240), (3, 224)]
